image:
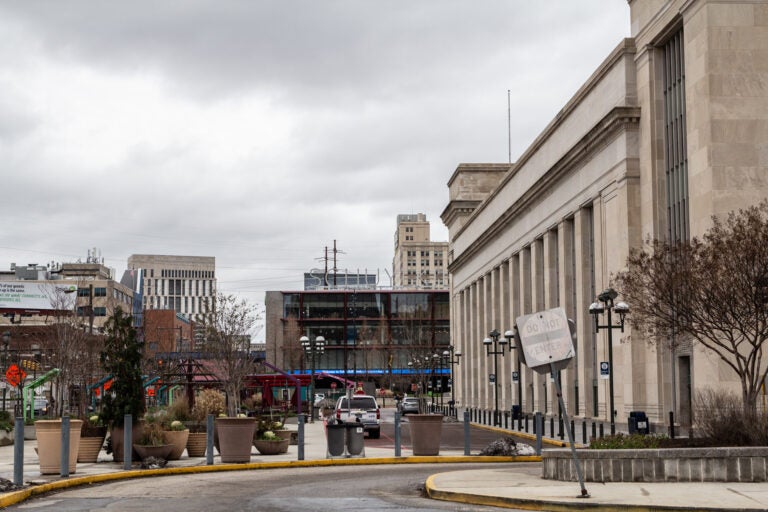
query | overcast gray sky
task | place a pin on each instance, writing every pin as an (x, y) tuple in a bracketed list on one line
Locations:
[(260, 131)]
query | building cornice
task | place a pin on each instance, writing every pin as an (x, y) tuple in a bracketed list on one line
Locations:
[(615, 122)]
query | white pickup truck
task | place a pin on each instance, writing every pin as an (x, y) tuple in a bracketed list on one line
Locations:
[(365, 409)]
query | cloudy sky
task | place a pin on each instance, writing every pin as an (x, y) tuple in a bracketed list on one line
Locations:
[(259, 132)]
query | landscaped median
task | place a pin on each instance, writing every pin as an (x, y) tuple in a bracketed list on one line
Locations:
[(15, 497)]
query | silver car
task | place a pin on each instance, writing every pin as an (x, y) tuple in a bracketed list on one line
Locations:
[(409, 404)]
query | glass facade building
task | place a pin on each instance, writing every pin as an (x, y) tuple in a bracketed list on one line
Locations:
[(369, 335)]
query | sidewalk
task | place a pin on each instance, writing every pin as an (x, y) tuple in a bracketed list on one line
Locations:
[(518, 485)]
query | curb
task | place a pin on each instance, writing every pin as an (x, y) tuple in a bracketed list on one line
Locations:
[(15, 497)]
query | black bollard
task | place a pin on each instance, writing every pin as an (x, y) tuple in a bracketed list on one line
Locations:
[(552, 427), (584, 431), (602, 431), (594, 430)]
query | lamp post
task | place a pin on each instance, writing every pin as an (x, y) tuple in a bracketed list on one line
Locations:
[(448, 357), (6, 342), (510, 335), (435, 364), (498, 349), (605, 303), (312, 350)]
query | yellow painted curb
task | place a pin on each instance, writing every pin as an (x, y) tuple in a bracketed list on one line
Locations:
[(526, 503)]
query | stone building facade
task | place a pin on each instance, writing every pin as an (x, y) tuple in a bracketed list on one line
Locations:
[(670, 130)]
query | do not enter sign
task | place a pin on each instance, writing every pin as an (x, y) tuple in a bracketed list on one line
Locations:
[(15, 375)]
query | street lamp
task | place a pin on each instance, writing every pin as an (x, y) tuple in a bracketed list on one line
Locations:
[(312, 350), (448, 357), (498, 348), (605, 303), (6, 342), (509, 336)]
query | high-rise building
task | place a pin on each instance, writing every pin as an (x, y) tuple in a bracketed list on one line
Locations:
[(418, 263), (184, 284)]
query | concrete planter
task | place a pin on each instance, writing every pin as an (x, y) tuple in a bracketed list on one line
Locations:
[(235, 438), (426, 431), (276, 447), (49, 445), (30, 433), (729, 464), (117, 435), (177, 438), (157, 451), (6, 438), (197, 444), (89, 450)]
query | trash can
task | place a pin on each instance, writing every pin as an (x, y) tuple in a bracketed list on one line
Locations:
[(335, 435), (355, 439), (638, 423), (516, 413)]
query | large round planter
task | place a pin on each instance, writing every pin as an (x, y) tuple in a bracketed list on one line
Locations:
[(178, 439), (89, 450), (426, 430), (266, 447), (117, 435), (49, 445), (235, 438), (159, 452), (197, 442)]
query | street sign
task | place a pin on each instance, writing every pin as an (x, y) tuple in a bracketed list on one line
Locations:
[(515, 377), (492, 378), (605, 370), (15, 375), (546, 340)]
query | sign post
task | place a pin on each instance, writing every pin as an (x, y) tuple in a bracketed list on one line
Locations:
[(546, 338)]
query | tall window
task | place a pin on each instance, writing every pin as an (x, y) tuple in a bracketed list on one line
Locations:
[(675, 148)]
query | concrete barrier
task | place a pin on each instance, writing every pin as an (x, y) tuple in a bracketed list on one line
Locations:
[(728, 464)]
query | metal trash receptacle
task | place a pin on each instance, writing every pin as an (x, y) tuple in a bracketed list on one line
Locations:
[(355, 439), (335, 434), (637, 423)]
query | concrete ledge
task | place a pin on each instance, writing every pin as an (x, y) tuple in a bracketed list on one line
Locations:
[(728, 464)]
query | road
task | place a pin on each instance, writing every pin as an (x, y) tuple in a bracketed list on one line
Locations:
[(338, 488)]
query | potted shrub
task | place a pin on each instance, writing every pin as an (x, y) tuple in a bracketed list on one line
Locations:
[(269, 443), (176, 433), (152, 442), (208, 401), (92, 437), (121, 358)]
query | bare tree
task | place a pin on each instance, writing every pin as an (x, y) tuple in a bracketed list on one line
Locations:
[(67, 343), (228, 325), (712, 290)]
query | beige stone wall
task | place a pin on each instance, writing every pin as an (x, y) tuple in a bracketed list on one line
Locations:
[(592, 186)]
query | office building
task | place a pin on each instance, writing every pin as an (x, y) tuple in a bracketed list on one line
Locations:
[(419, 263)]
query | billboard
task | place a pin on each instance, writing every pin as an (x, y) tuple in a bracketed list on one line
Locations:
[(36, 296)]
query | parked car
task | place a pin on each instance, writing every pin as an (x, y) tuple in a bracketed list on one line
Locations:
[(410, 405), (364, 409)]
